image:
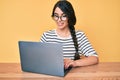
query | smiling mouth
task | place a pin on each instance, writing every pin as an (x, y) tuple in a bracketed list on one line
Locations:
[(60, 24)]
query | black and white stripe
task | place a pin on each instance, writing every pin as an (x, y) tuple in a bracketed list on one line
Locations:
[(84, 45)]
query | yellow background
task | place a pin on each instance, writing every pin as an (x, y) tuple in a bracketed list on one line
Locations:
[(28, 19)]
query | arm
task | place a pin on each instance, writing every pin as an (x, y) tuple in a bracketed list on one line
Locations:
[(86, 61), (87, 50)]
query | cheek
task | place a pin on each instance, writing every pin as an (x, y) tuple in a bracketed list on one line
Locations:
[(66, 23)]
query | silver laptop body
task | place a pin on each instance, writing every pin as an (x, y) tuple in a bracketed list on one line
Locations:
[(45, 58)]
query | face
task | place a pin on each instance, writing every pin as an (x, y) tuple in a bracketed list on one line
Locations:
[(60, 18)]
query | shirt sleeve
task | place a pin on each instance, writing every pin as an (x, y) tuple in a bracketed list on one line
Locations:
[(85, 46), (43, 38)]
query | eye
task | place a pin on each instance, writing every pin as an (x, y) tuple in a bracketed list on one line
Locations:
[(56, 15), (64, 15)]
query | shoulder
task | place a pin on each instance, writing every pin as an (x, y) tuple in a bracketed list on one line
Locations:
[(47, 34), (79, 32), (50, 32)]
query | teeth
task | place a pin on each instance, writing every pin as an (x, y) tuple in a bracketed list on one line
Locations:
[(60, 24)]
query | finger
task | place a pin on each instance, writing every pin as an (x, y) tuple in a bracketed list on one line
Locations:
[(68, 65)]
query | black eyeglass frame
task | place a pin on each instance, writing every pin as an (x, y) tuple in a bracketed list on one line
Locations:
[(63, 17)]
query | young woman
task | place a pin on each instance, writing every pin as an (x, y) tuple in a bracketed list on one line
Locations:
[(75, 43)]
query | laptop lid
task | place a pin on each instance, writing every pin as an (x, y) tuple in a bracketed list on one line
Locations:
[(46, 58)]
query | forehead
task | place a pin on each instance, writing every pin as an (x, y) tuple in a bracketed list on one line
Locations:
[(58, 11)]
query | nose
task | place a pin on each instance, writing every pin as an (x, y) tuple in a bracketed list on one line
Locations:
[(59, 19)]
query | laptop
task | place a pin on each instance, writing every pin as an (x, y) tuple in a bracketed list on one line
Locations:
[(43, 58)]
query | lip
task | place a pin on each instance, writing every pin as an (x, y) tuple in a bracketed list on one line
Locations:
[(60, 24)]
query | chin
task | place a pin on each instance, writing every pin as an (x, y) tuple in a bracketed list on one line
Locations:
[(61, 27)]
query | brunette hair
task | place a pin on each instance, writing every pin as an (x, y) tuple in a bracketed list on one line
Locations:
[(67, 8)]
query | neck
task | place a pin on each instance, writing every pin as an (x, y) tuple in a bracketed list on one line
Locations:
[(63, 32)]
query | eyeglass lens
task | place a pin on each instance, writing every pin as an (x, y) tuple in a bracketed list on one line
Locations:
[(63, 17)]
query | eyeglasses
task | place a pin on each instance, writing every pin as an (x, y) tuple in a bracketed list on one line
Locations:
[(63, 17)]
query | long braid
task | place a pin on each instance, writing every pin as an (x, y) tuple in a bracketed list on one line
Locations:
[(74, 38), (67, 8)]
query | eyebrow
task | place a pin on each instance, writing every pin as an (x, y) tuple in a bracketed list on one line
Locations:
[(61, 14)]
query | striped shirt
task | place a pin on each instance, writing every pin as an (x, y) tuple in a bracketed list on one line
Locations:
[(84, 46)]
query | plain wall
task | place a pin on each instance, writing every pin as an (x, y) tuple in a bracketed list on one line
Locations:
[(28, 19)]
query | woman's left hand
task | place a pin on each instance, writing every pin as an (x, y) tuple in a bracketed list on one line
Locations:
[(68, 63)]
